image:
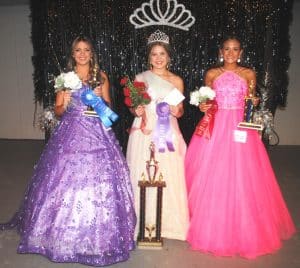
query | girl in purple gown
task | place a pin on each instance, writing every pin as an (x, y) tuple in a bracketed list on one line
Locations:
[(79, 205)]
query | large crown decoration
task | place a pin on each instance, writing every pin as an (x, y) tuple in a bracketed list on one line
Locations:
[(158, 36), (175, 15)]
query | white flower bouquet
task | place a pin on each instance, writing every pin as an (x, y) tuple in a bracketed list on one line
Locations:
[(67, 81), (202, 94)]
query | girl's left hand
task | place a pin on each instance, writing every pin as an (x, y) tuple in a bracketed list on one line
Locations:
[(175, 110), (98, 91), (255, 101)]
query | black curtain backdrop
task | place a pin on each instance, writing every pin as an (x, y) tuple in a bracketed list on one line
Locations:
[(262, 25)]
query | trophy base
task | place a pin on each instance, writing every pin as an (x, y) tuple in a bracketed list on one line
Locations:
[(250, 126), (150, 244), (91, 113)]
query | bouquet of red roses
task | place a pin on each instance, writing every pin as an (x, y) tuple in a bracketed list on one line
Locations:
[(135, 93)]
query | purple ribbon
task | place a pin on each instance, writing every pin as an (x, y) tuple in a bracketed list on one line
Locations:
[(162, 132)]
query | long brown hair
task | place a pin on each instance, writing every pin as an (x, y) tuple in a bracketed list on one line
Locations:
[(94, 69)]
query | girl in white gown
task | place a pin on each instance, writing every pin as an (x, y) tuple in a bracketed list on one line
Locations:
[(160, 82)]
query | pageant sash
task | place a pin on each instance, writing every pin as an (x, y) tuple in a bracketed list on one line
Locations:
[(106, 115), (162, 132), (206, 124)]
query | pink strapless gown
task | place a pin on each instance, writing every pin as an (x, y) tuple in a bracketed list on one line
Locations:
[(235, 204)]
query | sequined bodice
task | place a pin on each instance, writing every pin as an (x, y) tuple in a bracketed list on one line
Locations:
[(230, 90)]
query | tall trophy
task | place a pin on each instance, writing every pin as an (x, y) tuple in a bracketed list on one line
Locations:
[(152, 239), (249, 111)]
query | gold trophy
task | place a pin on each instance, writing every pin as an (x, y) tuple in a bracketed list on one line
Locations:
[(150, 241), (249, 111), (94, 82)]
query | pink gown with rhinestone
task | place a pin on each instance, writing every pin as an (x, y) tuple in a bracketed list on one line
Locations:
[(235, 204)]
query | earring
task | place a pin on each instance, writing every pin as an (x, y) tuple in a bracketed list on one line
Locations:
[(238, 60), (221, 59), (168, 65)]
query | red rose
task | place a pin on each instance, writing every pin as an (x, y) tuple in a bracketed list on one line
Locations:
[(124, 81), (146, 96), (126, 91), (128, 101), (139, 85), (140, 92)]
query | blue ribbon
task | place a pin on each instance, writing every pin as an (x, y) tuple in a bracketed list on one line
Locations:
[(162, 132), (106, 115)]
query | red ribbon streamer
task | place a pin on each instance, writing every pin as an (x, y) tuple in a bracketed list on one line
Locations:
[(142, 126), (143, 122), (206, 124)]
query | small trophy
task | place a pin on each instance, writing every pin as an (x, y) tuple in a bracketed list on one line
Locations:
[(151, 241), (249, 111), (94, 82)]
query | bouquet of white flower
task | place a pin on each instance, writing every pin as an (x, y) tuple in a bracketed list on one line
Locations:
[(67, 81), (201, 95)]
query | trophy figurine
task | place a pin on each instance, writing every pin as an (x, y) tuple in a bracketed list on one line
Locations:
[(150, 241), (249, 111), (150, 228), (152, 165)]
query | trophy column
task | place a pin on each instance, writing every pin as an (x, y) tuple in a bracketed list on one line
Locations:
[(141, 236), (144, 184)]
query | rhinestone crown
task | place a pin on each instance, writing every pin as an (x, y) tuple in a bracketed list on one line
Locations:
[(158, 36)]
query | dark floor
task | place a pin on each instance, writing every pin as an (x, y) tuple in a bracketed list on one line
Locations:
[(17, 158)]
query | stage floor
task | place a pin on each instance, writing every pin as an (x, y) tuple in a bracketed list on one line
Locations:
[(17, 158)]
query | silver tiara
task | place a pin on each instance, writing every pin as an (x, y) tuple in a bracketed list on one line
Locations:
[(153, 13), (158, 36)]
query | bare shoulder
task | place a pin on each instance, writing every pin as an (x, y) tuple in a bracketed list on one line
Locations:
[(211, 75), (177, 81), (248, 74), (104, 75)]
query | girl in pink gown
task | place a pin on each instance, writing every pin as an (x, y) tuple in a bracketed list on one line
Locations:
[(235, 204)]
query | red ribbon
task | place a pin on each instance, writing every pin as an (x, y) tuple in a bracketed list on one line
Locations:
[(206, 124), (142, 126), (143, 122)]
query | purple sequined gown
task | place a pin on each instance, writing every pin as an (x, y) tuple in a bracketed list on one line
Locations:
[(79, 204)]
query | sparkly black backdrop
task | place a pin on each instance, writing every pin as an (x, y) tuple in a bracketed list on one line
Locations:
[(262, 25)]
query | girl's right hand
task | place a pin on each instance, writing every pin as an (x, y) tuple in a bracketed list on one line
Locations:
[(139, 110), (66, 98), (203, 107)]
